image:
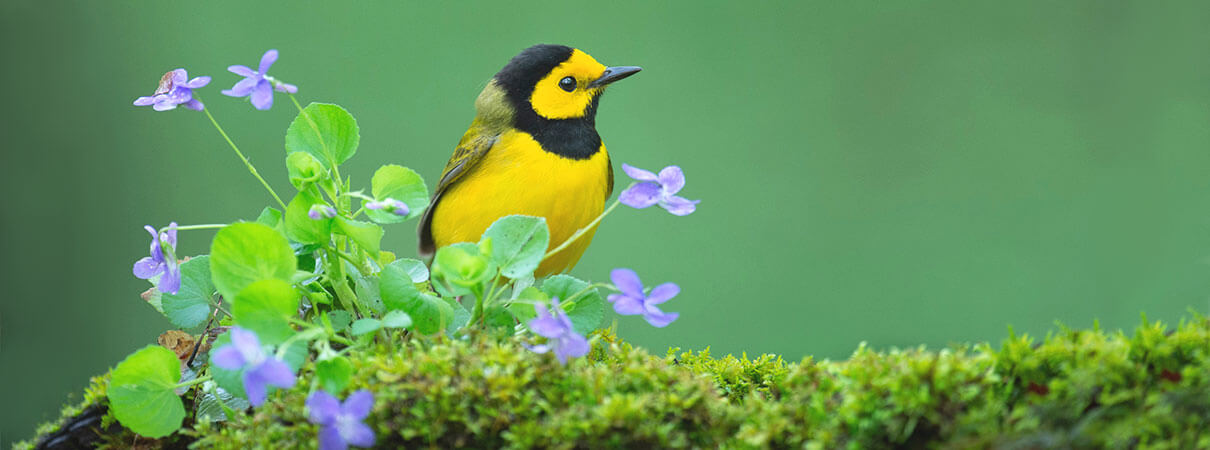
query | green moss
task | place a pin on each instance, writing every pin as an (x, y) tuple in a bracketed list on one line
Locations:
[(1074, 388)]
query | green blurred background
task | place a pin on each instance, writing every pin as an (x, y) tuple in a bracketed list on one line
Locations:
[(900, 173)]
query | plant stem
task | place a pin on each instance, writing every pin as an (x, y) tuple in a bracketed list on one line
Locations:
[(198, 380), (244, 159), (209, 226), (582, 231)]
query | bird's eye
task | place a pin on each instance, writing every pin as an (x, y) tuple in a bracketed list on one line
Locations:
[(568, 84)]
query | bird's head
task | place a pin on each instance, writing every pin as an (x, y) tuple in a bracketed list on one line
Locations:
[(555, 82)]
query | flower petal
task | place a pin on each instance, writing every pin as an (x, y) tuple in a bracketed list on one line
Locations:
[(357, 433), (286, 87), (242, 88), (322, 408), (276, 373), (198, 82), (329, 439), (639, 174), (241, 70), (262, 95), (254, 387), (571, 346), (195, 105), (179, 76), (164, 106), (358, 404), (228, 357), (662, 293), (540, 348), (548, 327), (267, 60), (144, 101), (626, 305), (679, 206), (627, 281), (659, 319), (170, 282), (170, 235), (672, 179), (147, 267), (248, 344), (641, 195)]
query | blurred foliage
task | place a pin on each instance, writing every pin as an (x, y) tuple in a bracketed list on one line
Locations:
[(1072, 389)]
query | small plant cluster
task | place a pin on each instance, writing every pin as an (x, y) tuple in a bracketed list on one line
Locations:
[(307, 284), (1072, 389)]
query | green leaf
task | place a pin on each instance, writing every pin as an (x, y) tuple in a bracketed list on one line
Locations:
[(429, 314), (266, 307), (340, 319), (585, 311), (300, 227), (210, 405), (399, 183), (397, 319), (366, 326), (326, 131), (367, 235), (518, 244), (304, 169), (497, 316), (414, 268), (522, 307), (460, 318), (366, 289), (190, 306), (269, 216), (244, 253), (141, 392), (334, 374), (461, 266)]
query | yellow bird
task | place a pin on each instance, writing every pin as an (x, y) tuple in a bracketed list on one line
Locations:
[(532, 149)]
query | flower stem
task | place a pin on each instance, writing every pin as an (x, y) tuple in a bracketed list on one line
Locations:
[(198, 380), (209, 226), (579, 233), (244, 159)]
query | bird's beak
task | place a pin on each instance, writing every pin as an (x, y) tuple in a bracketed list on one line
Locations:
[(614, 74)]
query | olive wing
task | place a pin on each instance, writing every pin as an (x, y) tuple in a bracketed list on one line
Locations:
[(468, 155)]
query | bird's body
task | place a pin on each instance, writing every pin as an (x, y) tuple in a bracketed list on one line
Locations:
[(533, 150)]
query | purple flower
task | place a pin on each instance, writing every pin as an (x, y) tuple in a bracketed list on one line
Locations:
[(562, 338), (658, 189), (245, 352), (394, 206), (319, 212), (164, 265), (258, 83), (175, 89), (341, 424), (632, 301)]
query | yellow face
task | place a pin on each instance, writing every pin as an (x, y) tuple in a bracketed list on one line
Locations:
[(564, 92)]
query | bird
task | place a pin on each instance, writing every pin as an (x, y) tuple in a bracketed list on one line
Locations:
[(532, 149)]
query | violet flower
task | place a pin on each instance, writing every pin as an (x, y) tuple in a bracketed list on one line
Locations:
[(394, 206), (562, 338), (320, 212), (159, 263), (175, 89), (632, 301), (257, 83), (658, 189), (245, 352), (341, 424)]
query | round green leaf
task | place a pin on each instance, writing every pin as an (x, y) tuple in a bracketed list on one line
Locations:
[(366, 326), (141, 392), (462, 265), (365, 234), (518, 244), (190, 306), (326, 131), (266, 307), (300, 227), (334, 374), (399, 183), (244, 253), (586, 311), (397, 319), (414, 268), (429, 314)]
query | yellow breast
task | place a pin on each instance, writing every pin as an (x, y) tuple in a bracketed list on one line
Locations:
[(517, 177)]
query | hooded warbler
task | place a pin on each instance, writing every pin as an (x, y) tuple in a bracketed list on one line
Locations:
[(532, 149)]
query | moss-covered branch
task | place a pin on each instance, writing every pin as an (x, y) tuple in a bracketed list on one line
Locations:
[(1075, 388)]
